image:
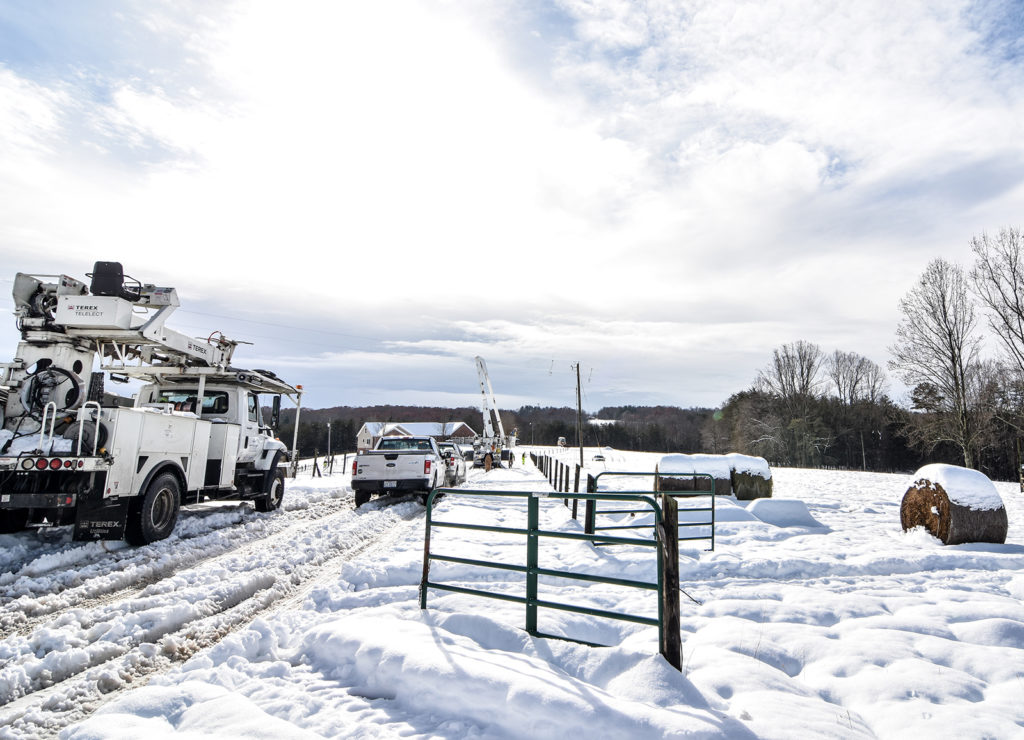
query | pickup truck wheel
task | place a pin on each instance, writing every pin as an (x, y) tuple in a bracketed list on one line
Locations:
[(271, 500), (152, 515), (13, 520), (362, 497), (424, 496)]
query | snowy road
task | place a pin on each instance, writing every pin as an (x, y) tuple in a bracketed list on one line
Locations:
[(80, 622)]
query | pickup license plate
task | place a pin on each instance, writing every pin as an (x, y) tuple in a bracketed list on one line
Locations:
[(391, 484)]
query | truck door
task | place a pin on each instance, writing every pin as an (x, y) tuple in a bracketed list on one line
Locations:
[(252, 441)]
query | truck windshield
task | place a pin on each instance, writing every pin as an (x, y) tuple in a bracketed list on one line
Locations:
[(214, 402), (403, 444)]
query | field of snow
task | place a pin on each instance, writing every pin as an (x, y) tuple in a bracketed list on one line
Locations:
[(817, 618)]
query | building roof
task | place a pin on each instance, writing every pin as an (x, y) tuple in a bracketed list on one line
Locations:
[(418, 428)]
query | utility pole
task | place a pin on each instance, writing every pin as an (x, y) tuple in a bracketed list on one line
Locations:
[(579, 413)]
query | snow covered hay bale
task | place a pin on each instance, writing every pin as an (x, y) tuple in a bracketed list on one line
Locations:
[(716, 466), (955, 504), (751, 477)]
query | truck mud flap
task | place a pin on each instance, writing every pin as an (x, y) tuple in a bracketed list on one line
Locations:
[(101, 519)]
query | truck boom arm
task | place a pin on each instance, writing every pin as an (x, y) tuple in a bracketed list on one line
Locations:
[(489, 403)]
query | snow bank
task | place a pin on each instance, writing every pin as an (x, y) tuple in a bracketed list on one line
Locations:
[(783, 512), (427, 668), (963, 486), (156, 712)]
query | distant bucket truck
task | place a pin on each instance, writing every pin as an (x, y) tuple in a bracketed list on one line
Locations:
[(118, 468), (490, 448)]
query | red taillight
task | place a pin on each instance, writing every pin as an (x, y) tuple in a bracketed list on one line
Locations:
[(426, 467), (69, 463), (41, 463), (55, 463), (355, 464), (81, 463)]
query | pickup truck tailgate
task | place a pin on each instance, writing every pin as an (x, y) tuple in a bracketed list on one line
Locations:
[(401, 466)]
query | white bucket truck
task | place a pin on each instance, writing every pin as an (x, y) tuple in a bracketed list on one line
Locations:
[(115, 467)]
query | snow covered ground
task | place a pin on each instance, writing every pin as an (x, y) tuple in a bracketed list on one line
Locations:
[(829, 622)]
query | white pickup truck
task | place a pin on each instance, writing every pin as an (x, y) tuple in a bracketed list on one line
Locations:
[(398, 465), (456, 463)]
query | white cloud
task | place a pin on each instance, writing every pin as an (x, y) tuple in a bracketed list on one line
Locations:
[(668, 189)]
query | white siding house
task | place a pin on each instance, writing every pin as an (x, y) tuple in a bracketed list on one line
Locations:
[(371, 431)]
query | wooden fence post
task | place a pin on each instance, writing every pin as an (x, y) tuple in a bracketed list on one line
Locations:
[(576, 489), (671, 639), (589, 512)]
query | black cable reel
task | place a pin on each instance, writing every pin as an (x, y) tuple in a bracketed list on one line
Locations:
[(48, 383)]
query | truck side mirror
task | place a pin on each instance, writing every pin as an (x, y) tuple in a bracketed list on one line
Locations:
[(275, 413)]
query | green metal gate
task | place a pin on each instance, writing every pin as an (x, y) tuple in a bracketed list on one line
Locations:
[(590, 516), (532, 569)]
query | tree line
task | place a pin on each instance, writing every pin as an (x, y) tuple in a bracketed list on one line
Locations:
[(809, 407), (660, 428)]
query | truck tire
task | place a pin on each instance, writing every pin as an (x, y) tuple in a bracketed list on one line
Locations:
[(271, 500), (13, 520), (362, 497), (153, 515), (424, 496)]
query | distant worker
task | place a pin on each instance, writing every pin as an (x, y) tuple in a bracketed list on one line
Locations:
[(524, 458)]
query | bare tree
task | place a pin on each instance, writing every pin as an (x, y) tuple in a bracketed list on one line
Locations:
[(843, 372), (795, 373), (874, 385), (998, 280), (936, 345), (855, 377)]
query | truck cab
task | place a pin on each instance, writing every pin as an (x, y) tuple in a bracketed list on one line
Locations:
[(242, 442), (222, 404)]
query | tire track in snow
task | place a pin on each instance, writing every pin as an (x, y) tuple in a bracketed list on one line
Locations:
[(183, 582), (52, 701), (126, 571)]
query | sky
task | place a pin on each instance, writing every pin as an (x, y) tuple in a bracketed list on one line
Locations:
[(375, 193)]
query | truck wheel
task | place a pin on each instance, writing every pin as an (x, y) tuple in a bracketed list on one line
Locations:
[(13, 520), (424, 496), (153, 514), (271, 500), (362, 497)]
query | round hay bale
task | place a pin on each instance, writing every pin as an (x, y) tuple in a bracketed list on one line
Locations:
[(748, 486), (751, 477), (954, 504), (717, 466), (723, 486)]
